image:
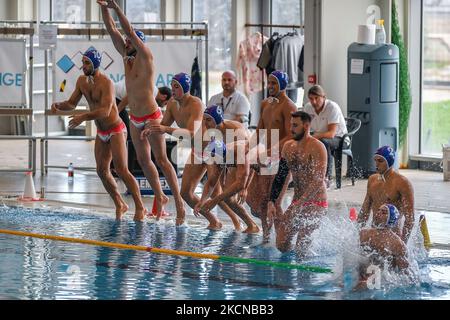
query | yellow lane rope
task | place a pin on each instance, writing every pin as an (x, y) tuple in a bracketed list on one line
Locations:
[(168, 251)]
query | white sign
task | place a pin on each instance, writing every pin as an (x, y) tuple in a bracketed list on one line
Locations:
[(47, 36), (12, 72), (170, 58), (357, 66)]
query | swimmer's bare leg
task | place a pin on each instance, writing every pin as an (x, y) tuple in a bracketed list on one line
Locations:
[(119, 155), (103, 158), (143, 152), (286, 228), (310, 216), (258, 198), (252, 227), (226, 208), (158, 146), (192, 175)]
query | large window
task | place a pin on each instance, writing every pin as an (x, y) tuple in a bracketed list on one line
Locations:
[(435, 129), (71, 11), (218, 15), (143, 10), (287, 12)]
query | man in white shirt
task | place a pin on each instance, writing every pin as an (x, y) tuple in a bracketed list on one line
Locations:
[(234, 104), (328, 122)]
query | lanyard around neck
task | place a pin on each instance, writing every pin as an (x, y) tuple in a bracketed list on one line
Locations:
[(228, 103)]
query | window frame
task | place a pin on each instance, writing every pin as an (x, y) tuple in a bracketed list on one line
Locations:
[(161, 11), (416, 13), (232, 21), (52, 12)]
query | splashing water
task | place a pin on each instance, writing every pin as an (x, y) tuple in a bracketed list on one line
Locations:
[(337, 238)]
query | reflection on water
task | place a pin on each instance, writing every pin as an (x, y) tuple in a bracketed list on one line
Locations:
[(43, 269)]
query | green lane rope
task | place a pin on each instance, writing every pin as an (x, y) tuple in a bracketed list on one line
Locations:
[(170, 252)]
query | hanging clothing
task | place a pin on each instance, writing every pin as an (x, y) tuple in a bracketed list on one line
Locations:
[(301, 62), (250, 76), (285, 53), (287, 58), (265, 59), (196, 78)]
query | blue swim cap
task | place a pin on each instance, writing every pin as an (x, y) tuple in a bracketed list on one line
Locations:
[(282, 79), (184, 80), (393, 215), (216, 148), (388, 154), (94, 56), (216, 113), (140, 35)]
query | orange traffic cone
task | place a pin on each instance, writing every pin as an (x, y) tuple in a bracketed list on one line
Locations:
[(29, 193), (154, 210), (353, 214)]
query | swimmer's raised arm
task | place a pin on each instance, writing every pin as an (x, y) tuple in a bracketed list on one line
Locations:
[(116, 36)]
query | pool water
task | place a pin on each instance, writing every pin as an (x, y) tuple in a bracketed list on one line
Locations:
[(33, 268)]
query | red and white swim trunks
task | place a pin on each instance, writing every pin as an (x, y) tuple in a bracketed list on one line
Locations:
[(140, 122), (106, 135)]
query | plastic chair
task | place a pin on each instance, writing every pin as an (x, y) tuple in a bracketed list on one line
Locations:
[(345, 147)]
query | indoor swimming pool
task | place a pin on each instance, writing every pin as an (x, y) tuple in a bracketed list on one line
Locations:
[(32, 268)]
